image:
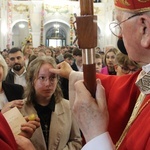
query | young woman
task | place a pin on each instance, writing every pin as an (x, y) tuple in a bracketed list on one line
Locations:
[(98, 62), (44, 98), (124, 65), (27, 52), (109, 61)]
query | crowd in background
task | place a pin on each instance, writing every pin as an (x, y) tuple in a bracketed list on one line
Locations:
[(108, 61), (107, 56), (20, 60)]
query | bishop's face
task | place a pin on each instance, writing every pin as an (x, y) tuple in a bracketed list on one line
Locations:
[(133, 32)]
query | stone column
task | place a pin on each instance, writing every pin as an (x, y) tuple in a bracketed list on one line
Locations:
[(35, 19), (36, 38), (3, 25)]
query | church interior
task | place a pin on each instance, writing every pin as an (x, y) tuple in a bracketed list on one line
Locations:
[(50, 22)]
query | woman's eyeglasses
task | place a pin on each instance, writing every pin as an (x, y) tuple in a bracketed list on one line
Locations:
[(127, 70), (44, 79)]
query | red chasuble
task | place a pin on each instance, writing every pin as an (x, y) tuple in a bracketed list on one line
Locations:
[(138, 136), (122, 93), (7, 141)]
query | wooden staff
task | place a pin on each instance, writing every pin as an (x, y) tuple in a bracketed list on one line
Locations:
[(87, 41)]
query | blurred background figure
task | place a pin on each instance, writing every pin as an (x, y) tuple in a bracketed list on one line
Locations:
[(60, 56), (48, 51), (27, 52), (98, 62), (4, 53), (35, 51), (97, 50), (41, 53), (109, 61), (7, 47), (77, 64), (107, 48), (68, 57), (124, 65)]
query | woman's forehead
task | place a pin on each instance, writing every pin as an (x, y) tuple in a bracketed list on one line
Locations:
[(45, 68), (110, 53)]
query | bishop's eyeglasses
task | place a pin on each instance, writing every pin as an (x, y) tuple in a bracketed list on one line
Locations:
[(115, 27)]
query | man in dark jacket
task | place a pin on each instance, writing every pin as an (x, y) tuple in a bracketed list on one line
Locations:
[(17, 70)]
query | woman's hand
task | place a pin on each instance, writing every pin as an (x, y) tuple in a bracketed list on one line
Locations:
[(15, 103), (28, 128), (23, 143)]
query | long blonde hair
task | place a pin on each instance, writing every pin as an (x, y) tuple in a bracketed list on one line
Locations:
[(32, 73), (4, 65)]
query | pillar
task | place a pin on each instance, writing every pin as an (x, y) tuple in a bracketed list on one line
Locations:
[(35, 20), (36, 38)]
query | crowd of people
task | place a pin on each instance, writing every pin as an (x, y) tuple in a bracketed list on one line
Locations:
[(39, 92), (118, 117), (48, 82)]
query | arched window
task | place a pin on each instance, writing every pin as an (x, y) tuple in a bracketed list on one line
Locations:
[(55, 36)]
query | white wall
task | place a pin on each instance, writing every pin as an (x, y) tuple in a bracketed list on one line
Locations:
[(61, 12)]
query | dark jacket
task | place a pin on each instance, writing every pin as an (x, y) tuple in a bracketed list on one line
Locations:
[(10, 77), (64, 87), (12, 91), (64, 82), (74, 66)]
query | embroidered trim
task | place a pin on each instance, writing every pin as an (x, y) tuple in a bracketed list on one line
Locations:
[(132, 119), (134, 10), (143, 1), (124, 2)]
